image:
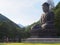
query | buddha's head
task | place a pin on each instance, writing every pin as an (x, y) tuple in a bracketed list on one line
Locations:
[(45, 7)]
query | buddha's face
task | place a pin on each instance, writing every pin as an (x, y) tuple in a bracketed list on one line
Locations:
[(45, 8)]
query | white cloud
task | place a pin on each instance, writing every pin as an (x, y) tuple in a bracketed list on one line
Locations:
[(21, 11)]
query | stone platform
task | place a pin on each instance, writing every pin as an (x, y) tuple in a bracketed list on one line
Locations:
[(41, 40)]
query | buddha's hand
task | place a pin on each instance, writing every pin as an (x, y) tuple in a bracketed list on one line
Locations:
[(44, 25)]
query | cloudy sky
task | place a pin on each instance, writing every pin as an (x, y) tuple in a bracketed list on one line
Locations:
[(23, 12)]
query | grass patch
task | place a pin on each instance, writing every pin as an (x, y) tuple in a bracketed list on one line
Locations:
[(29, 44)]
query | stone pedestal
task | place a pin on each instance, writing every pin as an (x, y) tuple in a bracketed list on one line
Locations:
[(41, 40)]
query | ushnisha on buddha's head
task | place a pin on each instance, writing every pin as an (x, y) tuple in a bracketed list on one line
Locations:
[(45, 7)]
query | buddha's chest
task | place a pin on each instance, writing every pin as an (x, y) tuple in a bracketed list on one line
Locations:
[(46, 17)]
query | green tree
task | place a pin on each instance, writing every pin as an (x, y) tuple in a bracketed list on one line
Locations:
[(57, 18)]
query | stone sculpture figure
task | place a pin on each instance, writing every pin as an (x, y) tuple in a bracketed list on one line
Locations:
[(47, 22), (46, 29)]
